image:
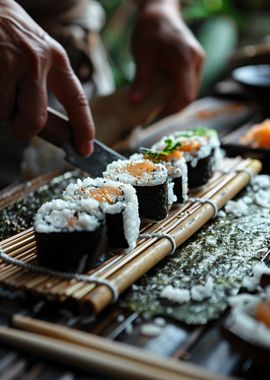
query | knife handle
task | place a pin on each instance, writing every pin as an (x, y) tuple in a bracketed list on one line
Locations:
[(57, 130)]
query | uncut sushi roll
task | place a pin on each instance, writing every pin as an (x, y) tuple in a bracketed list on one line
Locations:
[(151, 183), (174, 160), (69, 235), (118, 202), (201, 149)]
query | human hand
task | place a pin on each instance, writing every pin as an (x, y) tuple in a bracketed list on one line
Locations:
[(30, 63), (163, 44)]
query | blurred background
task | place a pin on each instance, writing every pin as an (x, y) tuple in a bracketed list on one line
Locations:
[(232, 32)]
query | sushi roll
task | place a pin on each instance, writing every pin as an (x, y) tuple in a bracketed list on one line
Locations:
[(169, 154), (151, 183), (201, 149), (118, 202), (69, 235)]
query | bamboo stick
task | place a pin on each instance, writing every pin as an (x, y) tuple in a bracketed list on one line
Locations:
[(106, 363), (13, 270), (14, 250), (21, 256), (35, 281), (19, 236), (18, 243), (102, 345)]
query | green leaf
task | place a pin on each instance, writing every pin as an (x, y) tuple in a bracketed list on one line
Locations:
[(155, 155)]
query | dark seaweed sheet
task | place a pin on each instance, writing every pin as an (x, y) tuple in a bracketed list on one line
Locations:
[(19, 216), (226, 249)]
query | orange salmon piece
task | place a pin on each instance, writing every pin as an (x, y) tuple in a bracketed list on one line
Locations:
[(263, 312), (106, 193), (189, 146), (258, 136), (137, 169)]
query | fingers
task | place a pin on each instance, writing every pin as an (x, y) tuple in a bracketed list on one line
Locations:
[(10, 72), (23, 87), (39, 62), (184, 88), (31, 107), (177, 54), (68, 90), (145, 67), (8, 99)]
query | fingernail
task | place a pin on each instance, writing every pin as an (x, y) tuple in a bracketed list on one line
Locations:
[(87, 148)]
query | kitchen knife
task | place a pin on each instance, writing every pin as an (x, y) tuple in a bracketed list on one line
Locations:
[(58, 132)]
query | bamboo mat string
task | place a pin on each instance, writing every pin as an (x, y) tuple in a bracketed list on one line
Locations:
[(63, 275), (204, 201), (160, 235)]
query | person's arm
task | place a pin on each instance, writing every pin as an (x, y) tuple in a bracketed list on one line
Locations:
[(162, 43), (30, 63)]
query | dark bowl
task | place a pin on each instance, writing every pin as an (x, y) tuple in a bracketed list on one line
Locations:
[(256, 80)]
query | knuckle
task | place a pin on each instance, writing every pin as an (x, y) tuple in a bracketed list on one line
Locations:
[(37, 119), (189, 54), (201, 54), (40, 120), (39, 57), (60, 55), (79, 100)]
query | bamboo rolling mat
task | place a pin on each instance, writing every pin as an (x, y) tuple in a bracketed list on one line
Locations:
[(122, 270)]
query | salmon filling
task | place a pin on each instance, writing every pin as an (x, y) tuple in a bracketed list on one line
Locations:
[(137, 169), (108, 194), (263, 312), (189, 146)]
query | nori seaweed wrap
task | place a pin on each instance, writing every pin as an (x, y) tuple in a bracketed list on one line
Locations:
[(151, 183), (200, 174), (118, 202), (69, 235), (168, 154)]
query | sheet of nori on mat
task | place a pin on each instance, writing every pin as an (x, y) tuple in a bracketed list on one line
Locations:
[(19, 216), (225, 249)]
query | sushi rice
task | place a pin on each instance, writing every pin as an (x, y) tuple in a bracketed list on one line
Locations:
[(124, 200), (60, 215)]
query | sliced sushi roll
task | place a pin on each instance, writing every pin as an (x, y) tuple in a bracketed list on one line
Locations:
[(201, 150), (174, 160), (119, 203), (151, 183), (69, 235)]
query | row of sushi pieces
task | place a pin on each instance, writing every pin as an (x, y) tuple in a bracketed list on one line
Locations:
[(72, 233)]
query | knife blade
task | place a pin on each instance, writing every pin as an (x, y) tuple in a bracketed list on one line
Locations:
[(58, 132)]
